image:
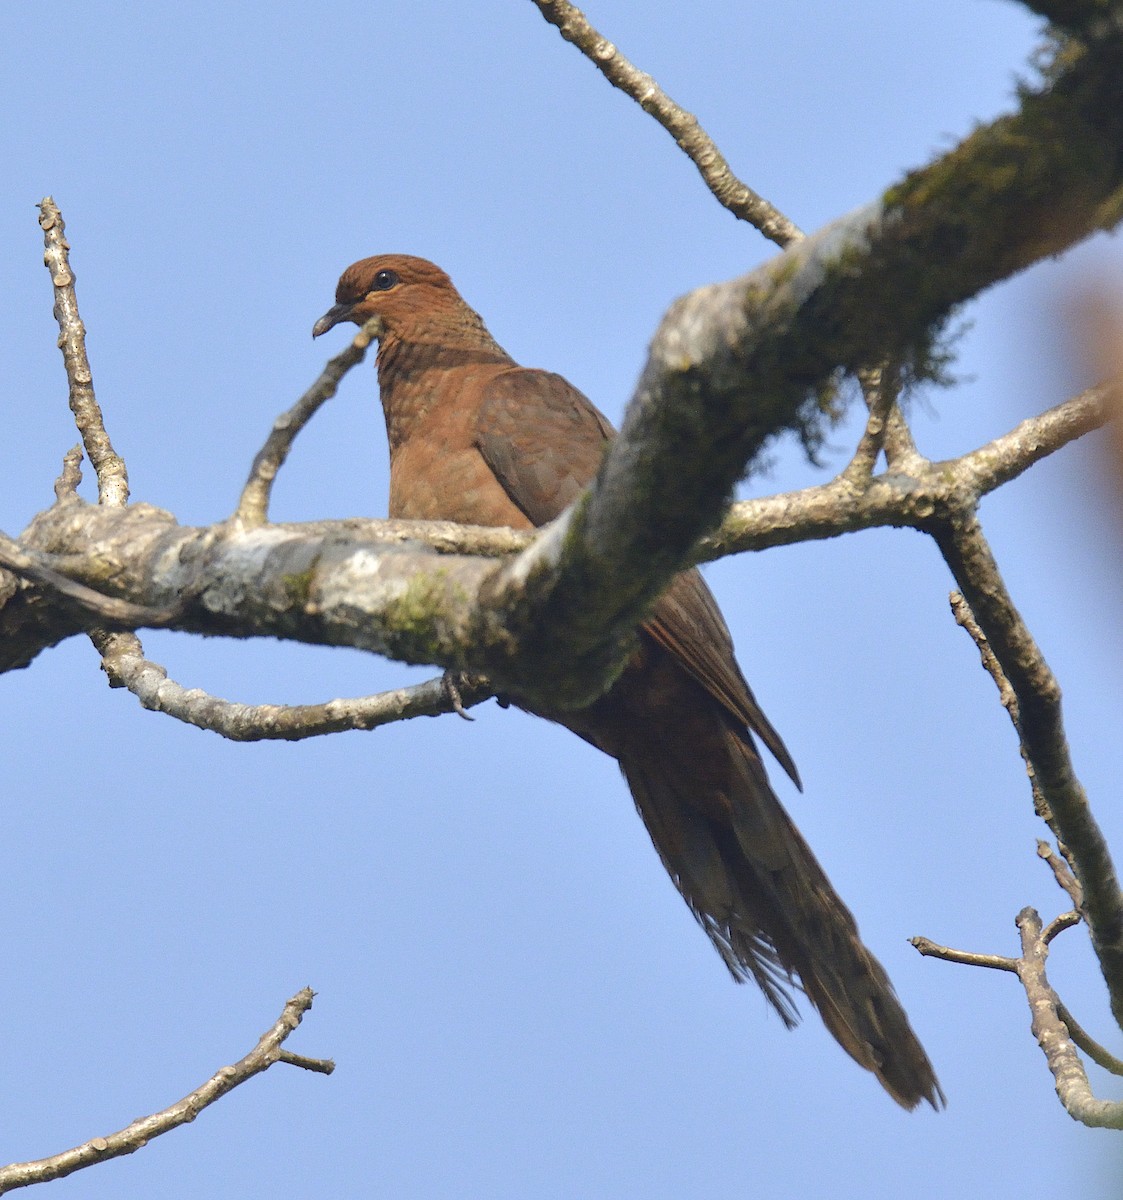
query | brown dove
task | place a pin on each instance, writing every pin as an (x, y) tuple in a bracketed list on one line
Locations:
[(475, 438)]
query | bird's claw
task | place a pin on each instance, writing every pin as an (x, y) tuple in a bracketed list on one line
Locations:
[(452, 681)]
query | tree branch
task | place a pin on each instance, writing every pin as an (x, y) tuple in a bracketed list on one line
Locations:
[(97, 549), (1059, 924), (253, 506), (1052, 1034), (1040, 728), (31, 566), (734, 363), (305, 583), (122, 653), (965, 619), (691, 138), (1081, 18), (1006, 457), (907, 495), (133, 1137), (881, 387), (1087, 1043), (112, 477), (1052, 1024), (127, 667), (1062, 873), (931, 949)]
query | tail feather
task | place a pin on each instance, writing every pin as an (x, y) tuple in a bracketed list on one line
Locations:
[(757, 890), (689, 848)]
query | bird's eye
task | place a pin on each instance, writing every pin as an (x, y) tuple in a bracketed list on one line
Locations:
[(384, 281)]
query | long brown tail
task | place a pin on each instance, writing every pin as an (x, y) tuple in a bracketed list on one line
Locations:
[(759, 893)]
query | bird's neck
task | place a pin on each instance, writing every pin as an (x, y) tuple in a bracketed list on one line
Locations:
[(413, 372)]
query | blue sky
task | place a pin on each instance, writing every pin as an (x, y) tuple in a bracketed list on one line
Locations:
[(519, 1003)]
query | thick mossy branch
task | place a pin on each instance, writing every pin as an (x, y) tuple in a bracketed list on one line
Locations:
[(734, 364), (576, 635), (1022, 188), (1081, 18)]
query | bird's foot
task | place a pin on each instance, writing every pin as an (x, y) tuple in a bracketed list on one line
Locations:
[(455, 681)]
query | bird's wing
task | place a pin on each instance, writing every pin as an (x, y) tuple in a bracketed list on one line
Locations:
[(544, 441), (686, 621)]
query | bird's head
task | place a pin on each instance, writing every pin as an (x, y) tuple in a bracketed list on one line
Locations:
[(403, 291)]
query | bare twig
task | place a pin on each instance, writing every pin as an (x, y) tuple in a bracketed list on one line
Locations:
[(907, 495), (964, 618), (127, 667), (880, 386), (66, 485), (122, 653), (900, 449), (1053, 1025), (1040, 728), (1008, 456), (141, 1132), (253, 506), (1052, 1033), (112, 477), (1087, 1043), (930, 949), (1062, 873), (319, 1066), (1059, 924), (691, 138)]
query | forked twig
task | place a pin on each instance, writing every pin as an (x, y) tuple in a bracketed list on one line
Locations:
[(133, 1137)]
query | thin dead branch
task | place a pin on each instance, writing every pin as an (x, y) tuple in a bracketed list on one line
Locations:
[(1084, 1040), (690, 137), (253, 506), (1052, 1034), (1057, 1032), (112, 477), (149, 682), (137, 1135), (1040, 727), (1052, 1024)]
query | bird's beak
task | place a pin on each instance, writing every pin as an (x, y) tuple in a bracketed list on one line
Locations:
[(335, 314)]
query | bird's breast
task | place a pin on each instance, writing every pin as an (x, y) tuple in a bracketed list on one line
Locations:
[(435, 480)]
